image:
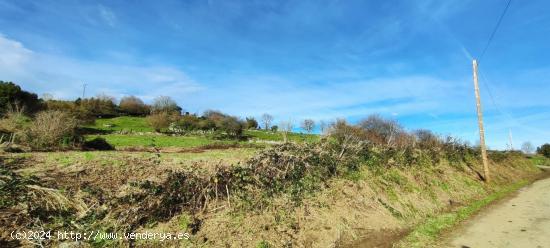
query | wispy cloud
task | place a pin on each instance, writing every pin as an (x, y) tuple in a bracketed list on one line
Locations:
[(107, 15)]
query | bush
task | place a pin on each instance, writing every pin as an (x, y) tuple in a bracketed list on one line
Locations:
[(13, 123), (13, 97), (51, 129), (132, 105), (231, 126), (207, 125), (185, 124), (544, 150), (251, 123), (381, 131), (101, 106), (160, 120), (99, 144), (85, 114), (350, 139)]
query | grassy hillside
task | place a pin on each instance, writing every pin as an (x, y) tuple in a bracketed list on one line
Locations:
[(128, 140), (136, 132), (123, 123)]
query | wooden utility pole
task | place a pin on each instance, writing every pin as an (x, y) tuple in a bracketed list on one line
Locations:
[(480, 124)]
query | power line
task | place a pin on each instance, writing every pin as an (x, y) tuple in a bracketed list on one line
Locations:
[(495, 29), (485, 83), (513, 120)]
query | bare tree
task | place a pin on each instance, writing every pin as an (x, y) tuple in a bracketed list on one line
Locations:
[(323, 127), (47, 97), (106, 98), (266, 120), (350, 138), (286, 127), (380, 128), (165, 104), (308, 125), (527, 147)]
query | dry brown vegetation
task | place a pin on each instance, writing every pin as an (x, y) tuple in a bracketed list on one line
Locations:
[(50, 128), (160, 120), (298, 195)]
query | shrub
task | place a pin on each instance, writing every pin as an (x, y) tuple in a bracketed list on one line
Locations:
[(13, 122), (425, 139), (100, 106), (251, 123), (207, 125), (350, 139), (13, 97), (160, 120), (50, 129), (214, 115), (380, 130), (186, 123), (67, 106), (231, 126), (544, 150), (292, 168), (132, 105)]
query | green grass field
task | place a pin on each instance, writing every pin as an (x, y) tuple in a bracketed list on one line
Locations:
[(139, 124), (122, 140), (127, 123)]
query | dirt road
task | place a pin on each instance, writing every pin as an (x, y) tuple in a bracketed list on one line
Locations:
[(521, 221)]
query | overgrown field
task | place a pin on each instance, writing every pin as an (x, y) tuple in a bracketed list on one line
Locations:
[(289, 195)]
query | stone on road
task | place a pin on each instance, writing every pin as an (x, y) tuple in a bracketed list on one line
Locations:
[(522, 221)]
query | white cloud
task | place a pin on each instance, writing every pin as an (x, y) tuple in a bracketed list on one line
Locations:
[(14, 54), (63, 77)]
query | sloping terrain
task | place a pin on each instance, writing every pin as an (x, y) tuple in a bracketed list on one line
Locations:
[(213, 197)]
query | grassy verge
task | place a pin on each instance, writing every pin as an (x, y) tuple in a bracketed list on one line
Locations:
[(427, 234), (540, 160)]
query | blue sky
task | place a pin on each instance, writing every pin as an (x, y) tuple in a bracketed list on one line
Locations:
[(409, 60)]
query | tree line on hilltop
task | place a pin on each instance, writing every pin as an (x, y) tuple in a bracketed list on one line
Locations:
[(47, 122)]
